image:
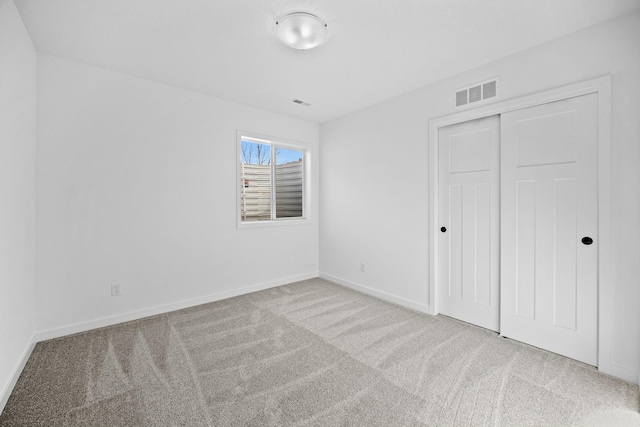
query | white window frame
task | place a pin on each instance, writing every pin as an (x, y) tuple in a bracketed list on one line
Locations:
[(274, 143)]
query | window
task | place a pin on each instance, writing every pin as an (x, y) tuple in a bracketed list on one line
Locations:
[(272, 180)]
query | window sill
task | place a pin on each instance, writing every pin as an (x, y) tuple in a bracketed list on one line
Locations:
[(274, 223)]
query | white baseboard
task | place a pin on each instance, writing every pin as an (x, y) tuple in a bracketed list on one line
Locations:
[(621, 372), (6, 392), (152, 311), (423, 308)]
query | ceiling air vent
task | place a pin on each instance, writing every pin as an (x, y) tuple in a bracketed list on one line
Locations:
[(476, 93), (301, 102)]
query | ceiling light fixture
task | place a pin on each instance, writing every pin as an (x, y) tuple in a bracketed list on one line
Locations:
[(301, 30)]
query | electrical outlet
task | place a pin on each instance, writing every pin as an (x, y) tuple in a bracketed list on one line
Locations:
[(363, 266), (115, 289)]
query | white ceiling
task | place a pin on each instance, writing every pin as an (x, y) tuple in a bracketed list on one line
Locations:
[(377, 49)]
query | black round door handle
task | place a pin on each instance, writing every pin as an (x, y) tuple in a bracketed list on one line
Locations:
[(587, 240), (443, 229)]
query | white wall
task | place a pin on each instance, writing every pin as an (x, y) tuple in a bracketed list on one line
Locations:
[(374, 174), (137, 185), (17, 193)]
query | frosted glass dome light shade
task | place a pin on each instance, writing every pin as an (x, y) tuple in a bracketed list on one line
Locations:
[(301, 30)]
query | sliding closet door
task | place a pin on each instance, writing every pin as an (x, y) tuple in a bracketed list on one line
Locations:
[(469, 164), (549, 235)]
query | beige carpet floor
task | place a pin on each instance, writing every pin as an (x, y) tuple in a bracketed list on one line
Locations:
[(307, 354)]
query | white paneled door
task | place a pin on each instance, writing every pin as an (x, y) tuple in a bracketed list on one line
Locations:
[(469, 269), (549, 235)]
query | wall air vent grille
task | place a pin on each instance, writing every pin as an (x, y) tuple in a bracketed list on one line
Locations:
[(301, 102), (476, 93)]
